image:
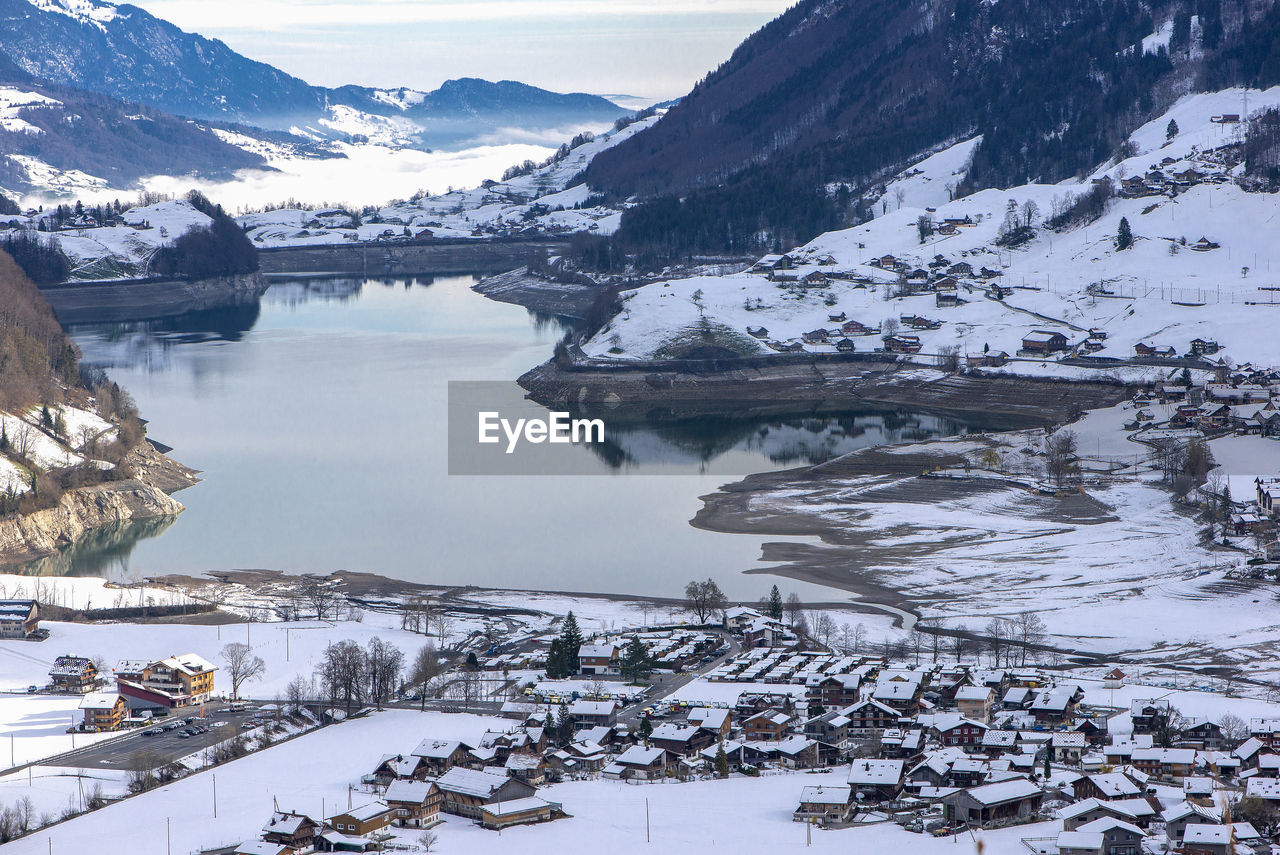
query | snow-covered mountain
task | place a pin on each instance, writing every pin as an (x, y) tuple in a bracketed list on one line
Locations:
[(982, 272), (127, 53)]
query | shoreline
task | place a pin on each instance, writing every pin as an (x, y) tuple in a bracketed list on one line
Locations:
[(44, 536), (118, 301)]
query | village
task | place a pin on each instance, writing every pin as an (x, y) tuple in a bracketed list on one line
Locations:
[(934, 736)]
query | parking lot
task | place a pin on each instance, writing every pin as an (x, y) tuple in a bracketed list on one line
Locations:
[(165, 746)]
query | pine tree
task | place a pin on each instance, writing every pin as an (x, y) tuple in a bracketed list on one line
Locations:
[(555, 660), (775, 603), (570, 644), (564, 725), (1048, 755), (722, 761), (1171, 131), (1124, 236), (636, 662), (645, 730)]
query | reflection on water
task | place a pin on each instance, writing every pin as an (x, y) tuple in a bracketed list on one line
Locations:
[(317, 417), (104, 551)]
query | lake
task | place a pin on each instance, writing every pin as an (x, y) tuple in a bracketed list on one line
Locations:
[(317, 416)]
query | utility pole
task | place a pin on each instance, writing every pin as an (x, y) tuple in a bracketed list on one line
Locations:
[(646, 820), (215, 796)]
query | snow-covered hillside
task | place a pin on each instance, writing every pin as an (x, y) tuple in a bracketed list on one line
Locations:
[(130, 245), (1165, 291), (541, 199)]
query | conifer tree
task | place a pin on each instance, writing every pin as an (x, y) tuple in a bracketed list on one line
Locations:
[(722, 761), (570, 644), (1124, 236), (775, 603)]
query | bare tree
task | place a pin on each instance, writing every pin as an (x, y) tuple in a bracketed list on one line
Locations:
[(242, 665), (704, 599), (1234, 729), (320, 594), (1029, 631), (852, 638), (824, 628), (342, 673), (384, 664), (426, 667), (299, 690), (427, 840), (1060, 456)]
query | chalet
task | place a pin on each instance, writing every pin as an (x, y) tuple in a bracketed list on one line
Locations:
[(102, 711), (818, 336), (178, 681), (1204, 245), (1169, 763), (530, 768), (598, 659), (964, 221), (74, 674), (876, 780), (831, 728), (763, 632), (838, 690), (975, 702), (845, 345), (1154, 351), (286, 828), (773, 262), (1178, 818), (1068, 747), (502, 815), (960, 268), (901, 695), (19, 618), (736, 618), (1056, 704), (854, 328), (592, 713), (837, 317), (363, 820), (438, 756), (991, 359), (1108, 786), (1104, 836), (995, 804), (1149, 714), (641, 763), (1137, 811), (1203, 347), (955, 731), (767, 726), (416, 803), (261, 847), (825, 804), (1208, 840), (988, 273), (946, 300), (714, 720), (886, 262), (758, 332), (947, 229), (997, 742), (465, 791), (815, 278), (682, 741), (902, 344), (871, 716), (797, 752), (1044, 341), (1202, 734)]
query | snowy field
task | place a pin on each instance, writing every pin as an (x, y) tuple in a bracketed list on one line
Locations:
[(312, 774)]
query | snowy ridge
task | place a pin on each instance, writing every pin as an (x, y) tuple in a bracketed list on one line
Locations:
[(1166, 290)]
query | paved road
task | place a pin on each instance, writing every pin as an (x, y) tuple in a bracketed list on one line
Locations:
[(165, 747)]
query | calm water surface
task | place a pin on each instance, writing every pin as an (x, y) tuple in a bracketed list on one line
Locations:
[(317, 416)]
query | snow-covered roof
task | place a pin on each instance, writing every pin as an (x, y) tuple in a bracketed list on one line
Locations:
[(1207, 834), (99, 701), (412, 792), (1005, 791), (469, 782), (875, 772), (638, 755), (437, 749), (826, 794)]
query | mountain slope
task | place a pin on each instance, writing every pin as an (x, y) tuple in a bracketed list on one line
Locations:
[(849, 91), (127, 53)]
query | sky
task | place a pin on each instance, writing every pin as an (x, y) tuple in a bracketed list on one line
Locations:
[(650, 49)]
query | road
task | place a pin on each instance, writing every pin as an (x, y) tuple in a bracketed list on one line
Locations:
[(164, 747)]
